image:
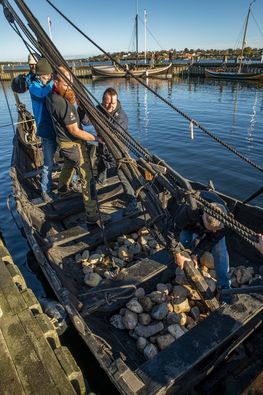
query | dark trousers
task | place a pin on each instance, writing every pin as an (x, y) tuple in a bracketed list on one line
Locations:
[(102, 175)]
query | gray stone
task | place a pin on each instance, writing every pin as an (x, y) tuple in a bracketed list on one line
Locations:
[(139, 293), (141, 343), (150, 330), (85, 255), (159, 312), (176, 318), (134, 306), (243, 275), (130, 319), (150, 351), (176, 331), (157, 297), (144, 319), (180, 293), (162, 288), (164, 341), (119, 262), (95, 258), (92, 279), (146, 303), (207, 260)]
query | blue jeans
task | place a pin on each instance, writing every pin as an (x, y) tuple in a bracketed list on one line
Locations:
[(220, 254), (49, 147)]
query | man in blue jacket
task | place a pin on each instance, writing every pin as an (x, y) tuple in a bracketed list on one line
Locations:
[(39, 88)]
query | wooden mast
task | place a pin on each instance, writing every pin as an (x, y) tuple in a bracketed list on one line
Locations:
[(136, 27), (244, 37)]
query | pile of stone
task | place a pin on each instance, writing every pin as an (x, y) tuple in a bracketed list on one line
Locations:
[(124, 252), (157, 319), (242, 276)]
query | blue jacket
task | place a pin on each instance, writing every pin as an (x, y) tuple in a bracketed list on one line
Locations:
[(38, 92)]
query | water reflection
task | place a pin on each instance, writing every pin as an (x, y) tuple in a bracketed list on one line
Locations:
[(252, 124)]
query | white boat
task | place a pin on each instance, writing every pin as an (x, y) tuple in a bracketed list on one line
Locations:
[(144, 72)]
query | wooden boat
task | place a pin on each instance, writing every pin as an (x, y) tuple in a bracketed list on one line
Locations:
[(240, 73), (129, 70), (56, 233), (143, 72), (233, 75)]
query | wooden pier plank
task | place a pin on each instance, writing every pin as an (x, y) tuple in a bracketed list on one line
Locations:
[(45, 354), (28, 364), (30, 368), (8, 290), (9, 383)]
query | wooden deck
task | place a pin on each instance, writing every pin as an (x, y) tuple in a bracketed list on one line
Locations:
[(32, 359)]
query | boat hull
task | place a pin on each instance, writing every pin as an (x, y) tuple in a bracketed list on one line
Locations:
[(173, 368), (233, 75), (111, 71)]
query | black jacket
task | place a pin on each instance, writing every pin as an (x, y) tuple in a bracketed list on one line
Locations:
[(118, 119), (184, 218)]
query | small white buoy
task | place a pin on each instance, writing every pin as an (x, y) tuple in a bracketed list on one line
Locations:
[(191, 128)]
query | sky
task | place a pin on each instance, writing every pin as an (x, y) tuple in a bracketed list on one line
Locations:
[(176, 24)]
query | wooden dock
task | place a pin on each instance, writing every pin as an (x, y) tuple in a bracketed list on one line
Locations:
[(32, 360), (178, 69)]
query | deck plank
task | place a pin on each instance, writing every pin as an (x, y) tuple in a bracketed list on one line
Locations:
[(94, 236)]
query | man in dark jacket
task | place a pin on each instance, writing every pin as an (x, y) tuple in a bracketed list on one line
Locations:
[(112, 109), (201, 232)]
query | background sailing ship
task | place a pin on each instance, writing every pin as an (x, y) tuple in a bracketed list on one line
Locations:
[(241, 73), (128, 70)]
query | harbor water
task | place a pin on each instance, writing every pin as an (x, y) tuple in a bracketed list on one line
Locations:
[(231, 110)]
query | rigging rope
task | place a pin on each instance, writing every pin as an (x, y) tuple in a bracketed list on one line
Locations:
[(193, 121), (153, 204), (53, 56), (8, 106), (149, 31), (247, 234)]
